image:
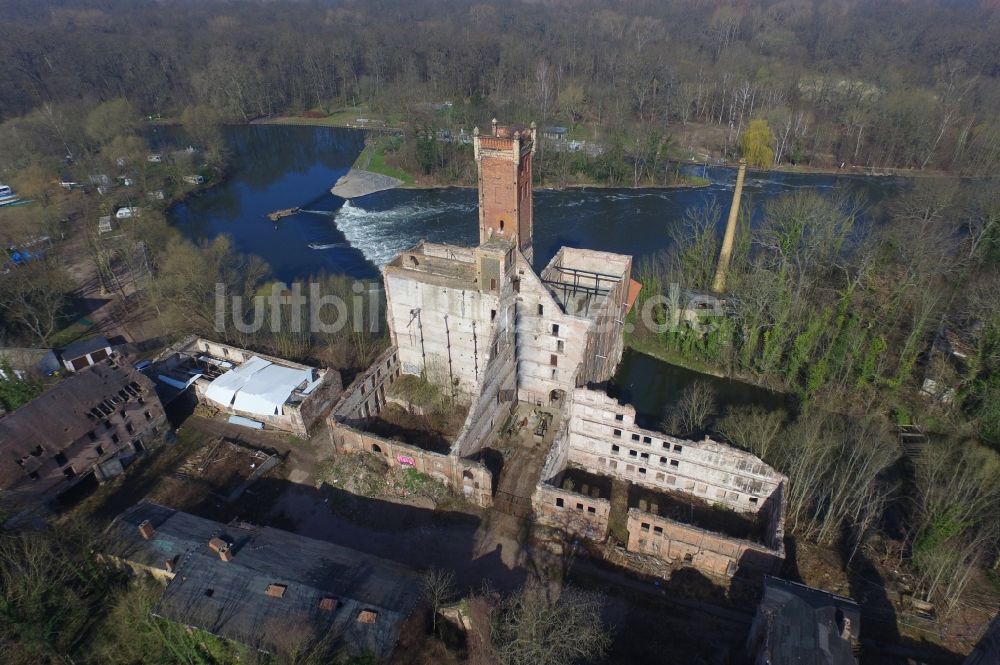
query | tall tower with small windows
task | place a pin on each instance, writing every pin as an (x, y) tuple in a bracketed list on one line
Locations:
[(503, 160)]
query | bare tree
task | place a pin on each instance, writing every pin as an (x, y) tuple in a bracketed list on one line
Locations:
[(34, 297), (531, 628), (544, 87), (696, 405), (957, 490), (753, 428), (439, 589)]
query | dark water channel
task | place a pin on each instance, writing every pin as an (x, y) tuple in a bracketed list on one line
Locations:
[(651, 385)]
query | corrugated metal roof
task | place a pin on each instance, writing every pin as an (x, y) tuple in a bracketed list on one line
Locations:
[(229, 598)]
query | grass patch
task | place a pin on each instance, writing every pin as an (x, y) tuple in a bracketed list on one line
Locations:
[(347, 117), (369, 476), (377, 163), (693, 181), (417, 390)]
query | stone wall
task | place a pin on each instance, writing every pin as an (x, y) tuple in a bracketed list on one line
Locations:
[(709, 552), (605, 340), (472, 479), (604, 439), (550, 344), (571, 511), (593, 423), (496, 386), (366, 395), (441, 325), (365, 398)]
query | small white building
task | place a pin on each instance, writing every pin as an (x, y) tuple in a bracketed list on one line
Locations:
[(85, 352)]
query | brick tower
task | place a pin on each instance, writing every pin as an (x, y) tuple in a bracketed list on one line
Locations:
[(503, 159)]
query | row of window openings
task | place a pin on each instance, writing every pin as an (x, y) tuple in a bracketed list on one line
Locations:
[(555, 326), (648, 440), (634, 453), (364, 385), (70, 472), (560, 503)]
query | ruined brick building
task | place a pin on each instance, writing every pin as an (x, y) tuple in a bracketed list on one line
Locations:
[(519, 349), (87, 426)]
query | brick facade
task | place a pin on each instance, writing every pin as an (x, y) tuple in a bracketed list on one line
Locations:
[(505, 180)]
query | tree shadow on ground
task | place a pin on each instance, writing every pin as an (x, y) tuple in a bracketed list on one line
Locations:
[(648, 630), (881, 641)]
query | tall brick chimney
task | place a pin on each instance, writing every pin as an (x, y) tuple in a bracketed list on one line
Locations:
[(146, 530), (503, 161)]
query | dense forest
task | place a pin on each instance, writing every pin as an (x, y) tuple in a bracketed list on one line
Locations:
[(858, 82)]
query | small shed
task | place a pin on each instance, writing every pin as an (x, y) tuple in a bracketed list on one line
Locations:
[(85, 352)]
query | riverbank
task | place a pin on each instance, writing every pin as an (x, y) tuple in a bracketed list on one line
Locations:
[(390, 124), (673, 358), (375, 159)]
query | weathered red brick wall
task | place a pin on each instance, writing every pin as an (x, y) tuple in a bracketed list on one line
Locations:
[(709, 552), (470, 478), (571, 511), (498, 197), (525, 205)]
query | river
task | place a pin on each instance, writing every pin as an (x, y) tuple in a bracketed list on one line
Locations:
[(276, 167)]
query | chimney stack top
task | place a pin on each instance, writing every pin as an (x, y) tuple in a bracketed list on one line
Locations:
[(146, 530)]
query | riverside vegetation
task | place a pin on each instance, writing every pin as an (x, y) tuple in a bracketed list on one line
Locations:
[(851, 309)]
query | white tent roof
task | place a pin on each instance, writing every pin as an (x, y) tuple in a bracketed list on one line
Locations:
[(257, 386)]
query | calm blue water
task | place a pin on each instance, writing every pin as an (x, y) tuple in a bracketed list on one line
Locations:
[(282, 167)]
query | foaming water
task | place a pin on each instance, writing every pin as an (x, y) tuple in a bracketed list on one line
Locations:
[(381, 227)]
